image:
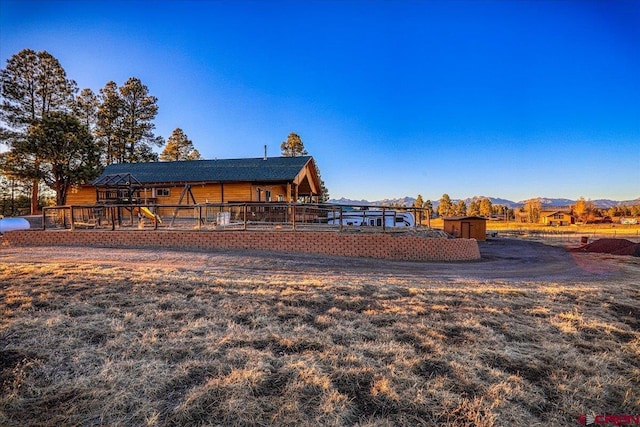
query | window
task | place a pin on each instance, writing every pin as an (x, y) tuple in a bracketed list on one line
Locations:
[(281, 197), (162, 192), (267, 195), (558, 216)]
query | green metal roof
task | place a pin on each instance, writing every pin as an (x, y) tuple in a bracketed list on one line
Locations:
[(223, 170)]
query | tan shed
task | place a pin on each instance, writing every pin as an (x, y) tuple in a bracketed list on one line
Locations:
[(467, 227)]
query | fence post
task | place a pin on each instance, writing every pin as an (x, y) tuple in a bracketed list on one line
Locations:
[(73, 226), (293, 217), (44, 218), (244, 215), (156, 216), (384, 219)]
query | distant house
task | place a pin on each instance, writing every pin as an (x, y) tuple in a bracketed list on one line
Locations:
[(269, 179), (557, 218), (466, 227)]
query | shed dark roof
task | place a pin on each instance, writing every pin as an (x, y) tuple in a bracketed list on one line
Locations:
[(223, 170), (461, 218)]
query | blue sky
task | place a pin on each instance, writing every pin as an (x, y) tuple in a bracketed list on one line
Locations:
[(512, 99)]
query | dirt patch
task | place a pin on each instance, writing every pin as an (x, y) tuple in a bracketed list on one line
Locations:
[(612, 246)]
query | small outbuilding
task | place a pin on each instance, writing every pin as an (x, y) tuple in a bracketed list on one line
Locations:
[(466, 227)]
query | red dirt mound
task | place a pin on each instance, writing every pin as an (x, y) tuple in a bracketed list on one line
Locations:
[(612, 246)]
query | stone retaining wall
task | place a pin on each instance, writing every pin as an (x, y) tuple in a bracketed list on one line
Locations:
[(393, 246)]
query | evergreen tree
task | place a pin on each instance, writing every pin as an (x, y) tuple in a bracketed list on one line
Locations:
[(66, 152), (486, 207), (139, 110), (461, 208), (32, 84), (109, 132), (86, 108), (324, 191), (419, 202), (474, 208), (428, 205), (125, 123), (15, 197), (179, 147), (293, 146), (445, 208)]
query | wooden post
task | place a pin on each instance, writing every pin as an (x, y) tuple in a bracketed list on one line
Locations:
[(44, 218), (293, 217), (73, 226), (340, 218), (244, 215)]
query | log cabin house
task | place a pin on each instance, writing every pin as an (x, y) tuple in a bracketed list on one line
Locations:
[(268, 179), (557, 218)]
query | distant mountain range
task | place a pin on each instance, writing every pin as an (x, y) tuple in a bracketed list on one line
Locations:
[(545, 201)]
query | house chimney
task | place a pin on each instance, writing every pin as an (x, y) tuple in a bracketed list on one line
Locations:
[(265, 152)]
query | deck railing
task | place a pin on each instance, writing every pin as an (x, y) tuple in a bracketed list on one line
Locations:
[(221, 216)]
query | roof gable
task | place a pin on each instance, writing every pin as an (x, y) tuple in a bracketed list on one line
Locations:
[(552, 213), (464, 218), (223, 170)]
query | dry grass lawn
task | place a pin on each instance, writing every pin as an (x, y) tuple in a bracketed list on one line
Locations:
[(530, 336)]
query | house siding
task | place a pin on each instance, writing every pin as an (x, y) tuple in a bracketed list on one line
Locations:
[(203, 193)]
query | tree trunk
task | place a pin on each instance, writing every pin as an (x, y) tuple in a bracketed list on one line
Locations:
[(34, 196)]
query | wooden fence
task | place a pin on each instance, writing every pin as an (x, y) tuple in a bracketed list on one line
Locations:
[(226, 216)]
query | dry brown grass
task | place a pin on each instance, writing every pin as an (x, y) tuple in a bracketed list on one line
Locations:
[(140, 338)]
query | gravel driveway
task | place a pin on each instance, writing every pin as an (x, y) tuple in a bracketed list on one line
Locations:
[(502, 259)]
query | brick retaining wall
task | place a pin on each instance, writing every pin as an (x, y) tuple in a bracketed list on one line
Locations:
[(393, 246)]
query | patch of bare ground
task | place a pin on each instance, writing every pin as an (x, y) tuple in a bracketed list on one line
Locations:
[(530, 336)]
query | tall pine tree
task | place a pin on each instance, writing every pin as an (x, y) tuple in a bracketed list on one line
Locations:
[(67, 153), (179, 147), (33, 84), (125, 123), (108, 130), (139, 110), (446, 207), (293, 146)]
